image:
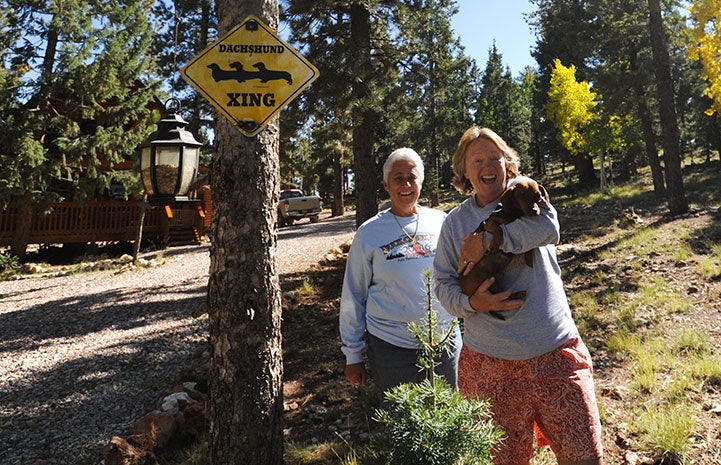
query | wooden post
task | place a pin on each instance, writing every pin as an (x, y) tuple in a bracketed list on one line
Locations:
[(143, 206)]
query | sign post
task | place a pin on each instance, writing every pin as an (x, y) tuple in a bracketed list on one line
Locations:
[(250, 74)]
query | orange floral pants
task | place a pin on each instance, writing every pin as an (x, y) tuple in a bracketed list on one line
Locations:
[(552, 394)]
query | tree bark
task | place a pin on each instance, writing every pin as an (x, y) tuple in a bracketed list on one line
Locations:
[(244, 307), (23, 225), (649, 137), (143, 208), (364, 166), (649, 140), (677, 203), (584, 167), (337, 205)]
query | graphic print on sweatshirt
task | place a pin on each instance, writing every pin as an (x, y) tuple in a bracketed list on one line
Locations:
[(404, 248)]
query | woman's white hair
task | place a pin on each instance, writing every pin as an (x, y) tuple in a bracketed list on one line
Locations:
[(403, 154)]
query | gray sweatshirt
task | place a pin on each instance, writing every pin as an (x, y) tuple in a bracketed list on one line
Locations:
[(544, 322)]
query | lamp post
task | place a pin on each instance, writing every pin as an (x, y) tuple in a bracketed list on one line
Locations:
[(169, 159)]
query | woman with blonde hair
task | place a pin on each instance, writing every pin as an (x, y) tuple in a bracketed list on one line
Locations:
[(531, 364)]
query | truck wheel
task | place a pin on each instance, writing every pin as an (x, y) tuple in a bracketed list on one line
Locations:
[(314, 219)]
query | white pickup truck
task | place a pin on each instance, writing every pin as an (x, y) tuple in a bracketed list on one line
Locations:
[(294, 206)]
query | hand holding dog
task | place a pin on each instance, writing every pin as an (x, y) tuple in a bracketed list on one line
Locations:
[(473, 249), (484, 300)]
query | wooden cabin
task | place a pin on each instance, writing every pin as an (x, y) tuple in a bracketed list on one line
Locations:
[(109, 219)]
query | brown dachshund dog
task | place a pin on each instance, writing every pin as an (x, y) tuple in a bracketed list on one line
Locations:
[(521, 199)]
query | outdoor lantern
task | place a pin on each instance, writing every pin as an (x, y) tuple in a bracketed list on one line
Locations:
[(169, 159)]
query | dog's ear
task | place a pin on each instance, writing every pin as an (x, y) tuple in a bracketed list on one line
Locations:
[(526, 197), (544, 194), (509, 196)]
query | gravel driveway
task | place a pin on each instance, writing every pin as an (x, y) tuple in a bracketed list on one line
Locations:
[(83, 356)]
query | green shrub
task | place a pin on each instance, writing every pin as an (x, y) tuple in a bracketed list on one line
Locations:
[(433, 424), (9, 264), (430, 423)]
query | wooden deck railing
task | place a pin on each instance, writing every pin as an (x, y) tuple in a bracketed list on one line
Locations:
[(94, 222)]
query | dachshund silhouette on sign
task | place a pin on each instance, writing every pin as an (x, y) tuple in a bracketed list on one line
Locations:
[(240, 74)]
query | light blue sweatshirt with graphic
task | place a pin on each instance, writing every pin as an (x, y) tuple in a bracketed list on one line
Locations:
[(384, 283)]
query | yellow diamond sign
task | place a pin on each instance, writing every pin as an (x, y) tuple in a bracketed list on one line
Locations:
[(250, 74)]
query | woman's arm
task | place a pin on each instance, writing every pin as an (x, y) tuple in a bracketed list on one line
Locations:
[(528, 233), (352, 319)]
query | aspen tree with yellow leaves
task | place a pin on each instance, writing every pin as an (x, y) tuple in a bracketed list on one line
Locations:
[(706, 33), (571, 106), (582, 127)]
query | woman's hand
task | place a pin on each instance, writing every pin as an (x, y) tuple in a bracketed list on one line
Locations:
[(356, 373), (484, 301), (473, 249)]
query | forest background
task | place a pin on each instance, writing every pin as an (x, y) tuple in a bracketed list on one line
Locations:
[(618, 86), (609, 93)]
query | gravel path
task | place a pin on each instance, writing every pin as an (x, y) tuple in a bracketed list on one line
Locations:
[(83, 356)]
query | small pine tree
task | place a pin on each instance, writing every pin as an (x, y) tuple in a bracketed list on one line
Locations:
[(430, 422)]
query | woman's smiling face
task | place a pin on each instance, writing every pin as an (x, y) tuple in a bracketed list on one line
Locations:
[(404, 187), (485, 167)]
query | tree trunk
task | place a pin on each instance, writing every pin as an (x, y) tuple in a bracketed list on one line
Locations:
[(603, 185), (143, 207), (364, 166), (584, 167), (677, 203), (337, 205), (244, 309), (714, 123), (649, 137), (433, 165), (649, 140), (23, 225)]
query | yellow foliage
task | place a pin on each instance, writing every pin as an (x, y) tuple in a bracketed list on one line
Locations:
[(571, 107), (706, 32)]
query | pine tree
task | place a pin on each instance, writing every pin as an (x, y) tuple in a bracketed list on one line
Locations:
[(435, 88), (420, 81), (244, 307), (77, 81), (348, 42), (677, 202), (502, 105)]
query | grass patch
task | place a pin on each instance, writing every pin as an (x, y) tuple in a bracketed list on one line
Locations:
[(587, 311), (706, 367), (195, 454), (325, 453), (710, 265), (666, 430), (659, 297), (306, 291), (9, 265)]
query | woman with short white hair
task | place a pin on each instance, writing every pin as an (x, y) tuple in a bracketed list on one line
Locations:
[(383, 287)]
